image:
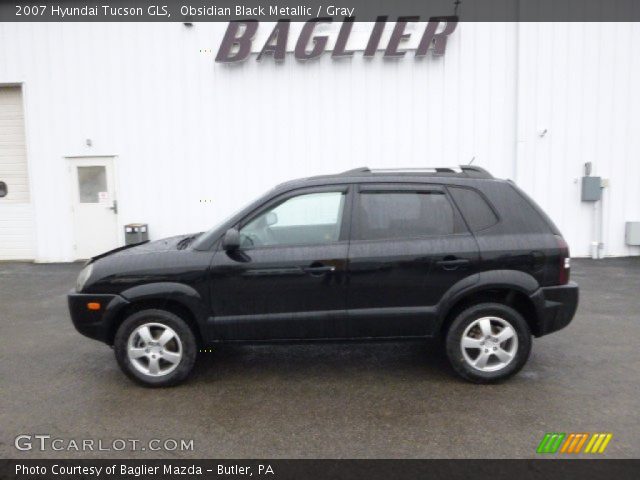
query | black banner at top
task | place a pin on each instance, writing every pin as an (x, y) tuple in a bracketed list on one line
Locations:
[(303, 10)]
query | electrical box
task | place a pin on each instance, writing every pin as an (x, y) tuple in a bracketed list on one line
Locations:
[(632, 233), (591, 189)]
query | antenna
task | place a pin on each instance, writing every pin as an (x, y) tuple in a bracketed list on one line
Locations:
[(456, 4)]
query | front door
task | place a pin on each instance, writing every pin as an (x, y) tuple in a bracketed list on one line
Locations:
[(287, 280), (409, 245), (94, 206)]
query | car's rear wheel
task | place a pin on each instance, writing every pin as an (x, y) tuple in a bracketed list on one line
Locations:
[(156, 348), (488, 342)]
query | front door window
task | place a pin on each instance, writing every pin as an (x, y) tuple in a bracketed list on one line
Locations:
[(309, 219)]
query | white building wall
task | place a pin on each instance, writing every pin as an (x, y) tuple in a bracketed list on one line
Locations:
[(194, 140), (579, 82)]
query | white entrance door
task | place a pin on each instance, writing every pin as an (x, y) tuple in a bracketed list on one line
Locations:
[(94, 206)]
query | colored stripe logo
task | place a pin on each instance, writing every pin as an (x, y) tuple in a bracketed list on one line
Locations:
[(574, 443), (550, 443), (598, 443)]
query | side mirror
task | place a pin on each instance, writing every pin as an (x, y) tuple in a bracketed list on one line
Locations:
[(271, 218), (231, 240)]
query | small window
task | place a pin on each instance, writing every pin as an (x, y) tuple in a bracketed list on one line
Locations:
[(400, 214), (313, 218), (91, 182), (474, 208)]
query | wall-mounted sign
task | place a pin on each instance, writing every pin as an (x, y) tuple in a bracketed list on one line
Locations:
[(238, 39)]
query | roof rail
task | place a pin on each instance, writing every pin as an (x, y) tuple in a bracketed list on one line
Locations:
[(466, 170), (356, 170)]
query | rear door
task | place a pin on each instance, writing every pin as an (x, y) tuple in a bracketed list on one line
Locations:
[(408, 246)]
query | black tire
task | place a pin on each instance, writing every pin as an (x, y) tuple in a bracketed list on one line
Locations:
[(460, 324), (189, 347)]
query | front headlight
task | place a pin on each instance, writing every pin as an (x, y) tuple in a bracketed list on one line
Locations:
[(83, 277)]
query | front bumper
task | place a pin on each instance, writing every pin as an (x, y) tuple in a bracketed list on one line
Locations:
[(96, 324), (556, 307)]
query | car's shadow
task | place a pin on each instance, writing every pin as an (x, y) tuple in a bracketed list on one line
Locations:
[(405, 359)]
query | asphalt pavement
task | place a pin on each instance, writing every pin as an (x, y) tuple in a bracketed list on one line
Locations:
[(385, 400)]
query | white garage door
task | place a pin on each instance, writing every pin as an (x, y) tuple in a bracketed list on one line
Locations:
[(16, 213)]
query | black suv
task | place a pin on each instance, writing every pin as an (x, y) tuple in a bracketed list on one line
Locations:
[(362, 255)]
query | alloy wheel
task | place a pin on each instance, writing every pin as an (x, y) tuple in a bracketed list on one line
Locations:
[(154, 349), (489, 344)]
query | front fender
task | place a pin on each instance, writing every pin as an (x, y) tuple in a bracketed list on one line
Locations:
[(172, 291)]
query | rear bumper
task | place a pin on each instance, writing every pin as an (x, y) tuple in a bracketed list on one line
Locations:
[(556, 307), (96, 324)]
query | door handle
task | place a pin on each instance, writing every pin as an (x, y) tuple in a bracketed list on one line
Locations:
[(452, 263), (270, 272), (114, 207), (319, 270)]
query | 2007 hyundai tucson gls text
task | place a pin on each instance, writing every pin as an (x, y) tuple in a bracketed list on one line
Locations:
[(363, 255)]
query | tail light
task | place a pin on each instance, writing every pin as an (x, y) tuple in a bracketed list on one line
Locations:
[(564, 269)]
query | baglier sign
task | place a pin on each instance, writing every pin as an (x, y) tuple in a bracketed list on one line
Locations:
[(238, 39)]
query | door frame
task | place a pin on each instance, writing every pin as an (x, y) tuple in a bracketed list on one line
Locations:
[(220, 327), (419, 321), (68, 165)]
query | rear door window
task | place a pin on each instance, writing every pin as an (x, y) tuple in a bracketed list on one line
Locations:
[(475, 209), (398, 214)]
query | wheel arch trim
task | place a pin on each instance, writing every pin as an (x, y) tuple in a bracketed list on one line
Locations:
[(171, 292), (496, 279)]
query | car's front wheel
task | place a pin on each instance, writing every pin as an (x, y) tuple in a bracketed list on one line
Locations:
[(488, 342), (156, 348)]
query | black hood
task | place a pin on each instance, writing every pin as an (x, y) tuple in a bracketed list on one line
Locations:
[(178, 242), (159, 261)]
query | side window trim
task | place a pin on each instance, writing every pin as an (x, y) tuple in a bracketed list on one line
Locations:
[(345, 189), (401, 188)]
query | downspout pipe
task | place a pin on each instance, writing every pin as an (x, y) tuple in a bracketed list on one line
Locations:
[(518, 144)]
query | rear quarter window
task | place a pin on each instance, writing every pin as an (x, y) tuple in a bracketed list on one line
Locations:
[(474, 208)]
